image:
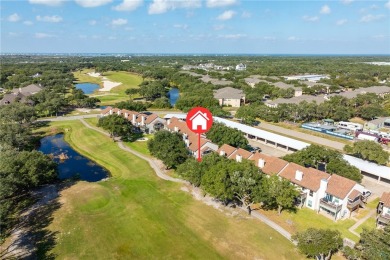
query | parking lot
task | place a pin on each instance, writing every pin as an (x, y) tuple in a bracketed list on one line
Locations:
[(268, 149), (376, 188)]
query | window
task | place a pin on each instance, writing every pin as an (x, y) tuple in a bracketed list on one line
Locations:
[(309, 203), (388, 211), (336, 201), (311, 193)]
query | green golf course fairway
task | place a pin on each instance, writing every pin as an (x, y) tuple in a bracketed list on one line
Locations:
[(137, 215)]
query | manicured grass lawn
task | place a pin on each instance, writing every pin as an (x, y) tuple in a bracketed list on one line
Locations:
[(368, 224), (305, 218), (117, 94), (137, 215), (82, 76), (140, 146)]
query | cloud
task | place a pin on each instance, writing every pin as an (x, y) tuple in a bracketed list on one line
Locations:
[(246, 14), (269, 38), (387, 5), (347, 2), (112, 38), (292, 38), (44, 35), (128, 5), (162, 6), (119, 22), (92, 22), (325, 10), (310, 18), (13, 34), (218, 27), (341, 21), (47, 2), (227, 15), (232, 36), (379, 36), (49, 19), (370, 18), (14, 18), (29, 23), (220, 3), (181, 26), (92, 3)]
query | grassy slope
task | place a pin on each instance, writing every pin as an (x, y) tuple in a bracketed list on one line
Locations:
[(137, 215)]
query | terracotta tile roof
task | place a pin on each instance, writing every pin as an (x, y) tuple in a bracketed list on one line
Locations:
[(354, 194), (311, 177), (115, 110), (194, 143), (106, 110), (139, 117), (244, 154), (385, 199), (227, 149), (272, 165), (339, 186), (151, 118)]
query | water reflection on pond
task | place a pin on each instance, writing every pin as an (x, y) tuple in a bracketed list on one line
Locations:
[(71, 163)]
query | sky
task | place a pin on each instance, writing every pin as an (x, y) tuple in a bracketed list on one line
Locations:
[(195, 26)]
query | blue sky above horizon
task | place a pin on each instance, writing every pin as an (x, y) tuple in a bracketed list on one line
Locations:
[(195, 26)]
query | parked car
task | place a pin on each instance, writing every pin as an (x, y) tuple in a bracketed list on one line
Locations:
[(366, 193)]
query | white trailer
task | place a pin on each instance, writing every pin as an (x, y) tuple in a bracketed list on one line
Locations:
[(370, 137)]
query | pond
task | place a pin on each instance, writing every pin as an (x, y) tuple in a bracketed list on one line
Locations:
[(70, 162), (173, 95), (88, 88)]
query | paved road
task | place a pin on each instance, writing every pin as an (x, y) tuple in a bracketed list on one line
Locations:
[(66, 118), (302, 136)]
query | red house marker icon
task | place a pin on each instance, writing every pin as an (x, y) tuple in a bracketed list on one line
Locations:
[(199, 120)]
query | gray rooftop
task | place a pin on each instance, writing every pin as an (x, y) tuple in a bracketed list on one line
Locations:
[(229, 92), (32, 89), (283, 85), (379, 120)]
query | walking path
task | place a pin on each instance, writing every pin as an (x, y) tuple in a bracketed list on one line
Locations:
[(153, 163), (361, 221)]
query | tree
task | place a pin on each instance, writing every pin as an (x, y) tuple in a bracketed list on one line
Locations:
[(169, 148), (192, 171), (319, 243), (221, 134), (216, 181), (151, 90), (315, 155), (247, 114), (131, 92), (374, 244), (21, 172), (278, 193), (117, 126), (368, 150), (162, 102), (245, 180), (131, 105)]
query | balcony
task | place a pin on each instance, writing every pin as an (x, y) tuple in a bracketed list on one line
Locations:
[(353, 205), (330, 205), (383, 219)]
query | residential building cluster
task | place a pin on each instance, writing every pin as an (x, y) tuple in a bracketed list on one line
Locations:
[(319, 191), (146, 122), (20, 94), (212, 66)]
